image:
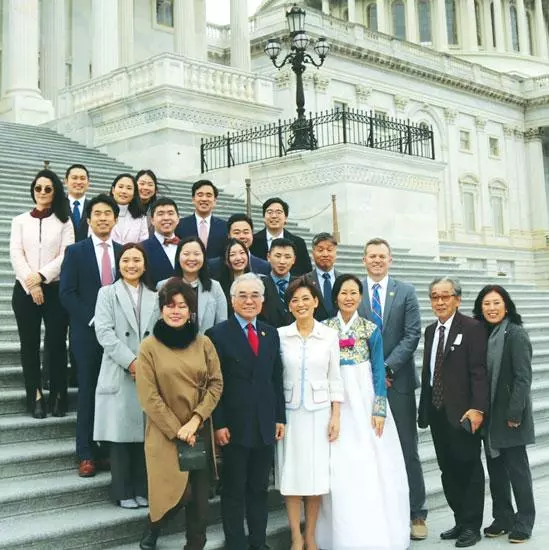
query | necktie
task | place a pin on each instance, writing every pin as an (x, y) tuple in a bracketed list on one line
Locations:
[(438, 391), (253, 340), (327, 292), (376, 307), (106, 267), (281, 285), (76, 214), (172, 240), (203, 232)]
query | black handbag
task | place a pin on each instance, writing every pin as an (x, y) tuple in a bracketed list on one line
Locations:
[(192, 458)]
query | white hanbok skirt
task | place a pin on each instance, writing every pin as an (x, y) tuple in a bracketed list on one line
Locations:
[(368, 505)]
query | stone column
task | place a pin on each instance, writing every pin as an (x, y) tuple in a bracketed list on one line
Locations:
[(471, 18), (22, 100), (513, 177), (486, 223), (412, 29), (326, 7), (453, 210), (499, 25), (441, 25), (105, 42), (240, 35), (53, 50), (541, 32), (200, 29), (184, 21), (125, 28), (381, 19), (524, 42), (488, 42), (351, 11)]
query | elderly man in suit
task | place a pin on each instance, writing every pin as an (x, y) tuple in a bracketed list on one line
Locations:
[(161, 247), (211, 229), (88, 265), (323, 275), (275, 216), (392, 305), (454, 399), (250, 416)]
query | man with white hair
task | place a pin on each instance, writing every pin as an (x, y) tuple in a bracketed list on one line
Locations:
[(250, 416)]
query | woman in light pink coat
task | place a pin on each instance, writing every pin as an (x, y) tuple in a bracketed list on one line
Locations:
[(131, 226), (38, 241)]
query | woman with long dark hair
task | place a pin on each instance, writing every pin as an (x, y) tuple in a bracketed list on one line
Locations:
[(38, 240), (509, 423), (236, 261), (131, 226), (147, 186)]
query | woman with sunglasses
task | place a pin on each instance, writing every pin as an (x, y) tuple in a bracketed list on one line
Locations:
[(38, 241)]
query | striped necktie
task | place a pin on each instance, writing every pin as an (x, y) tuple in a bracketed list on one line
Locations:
[(376, 307)]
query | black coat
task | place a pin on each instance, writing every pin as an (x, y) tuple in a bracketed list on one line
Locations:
[(80, 232), (217, 237), (321, 314), (275, 311), (511, 396)]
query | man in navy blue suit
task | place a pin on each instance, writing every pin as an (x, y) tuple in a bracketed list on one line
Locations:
[(250, 416), (88, 265), (162, 246), (211, 229), (77, 182)]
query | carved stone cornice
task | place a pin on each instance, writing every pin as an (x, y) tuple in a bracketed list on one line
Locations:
[(533, 134)]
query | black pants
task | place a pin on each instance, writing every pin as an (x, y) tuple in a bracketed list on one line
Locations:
[(462, 474), (511, 469), (128, 471), (29, 319), (246, 474)]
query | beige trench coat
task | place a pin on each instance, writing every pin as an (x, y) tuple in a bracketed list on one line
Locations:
[(169, 383)]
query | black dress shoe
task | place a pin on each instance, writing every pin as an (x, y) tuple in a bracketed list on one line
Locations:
[(149, 538), (451, 534), (59, 408), (518, 536), (467, 537), (496, 529), (39, 408)]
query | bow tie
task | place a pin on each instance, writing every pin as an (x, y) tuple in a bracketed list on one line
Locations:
[(173, 240)]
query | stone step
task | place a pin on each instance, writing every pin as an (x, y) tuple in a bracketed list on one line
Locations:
[(12, 401), (17, 428)]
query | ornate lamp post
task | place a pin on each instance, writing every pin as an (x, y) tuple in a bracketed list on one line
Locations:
[(303, 136)]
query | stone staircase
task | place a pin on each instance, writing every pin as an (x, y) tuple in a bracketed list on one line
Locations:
[(43, 503)]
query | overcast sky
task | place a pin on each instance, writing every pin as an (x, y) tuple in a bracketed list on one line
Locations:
[(218, 10)]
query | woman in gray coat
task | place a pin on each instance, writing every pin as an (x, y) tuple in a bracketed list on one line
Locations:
[(509, 423), (125, 313)]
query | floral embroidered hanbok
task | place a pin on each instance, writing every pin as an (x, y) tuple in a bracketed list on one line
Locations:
[(368, 504)]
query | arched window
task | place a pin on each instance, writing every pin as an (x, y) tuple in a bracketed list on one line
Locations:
[(530, 32), (424, 20), (493, 24), (164, 13), (399, 19), (451, 21), (371, 16), (479, 20), (514, 27)]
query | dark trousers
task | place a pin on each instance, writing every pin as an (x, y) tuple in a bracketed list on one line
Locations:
[(403, 407), (88, 355), (245, 489), (511, 469), (462, 474), (128, 471), (29, 319)]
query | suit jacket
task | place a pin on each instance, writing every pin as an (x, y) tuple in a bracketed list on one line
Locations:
[(212, 305), (79, 284), (159, 265), (401, 331), (80, 232), (217, 236), (253, 397), (257, 265), (320, 314), (464, 376), (274, 311), (303, 259)]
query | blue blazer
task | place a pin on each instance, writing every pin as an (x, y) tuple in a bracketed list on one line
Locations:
[(253, 396), (79, 284), (159, 265), (80, 232), (216, 238), (257, 265)]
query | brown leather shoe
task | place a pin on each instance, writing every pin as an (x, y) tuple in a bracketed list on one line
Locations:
[(86, 468), (418, 529)]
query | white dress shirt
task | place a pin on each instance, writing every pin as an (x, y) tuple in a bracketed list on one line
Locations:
[(169, 249), (382, 291), (80, 206), (320, 274), (97, 242), (447, 325), (271, 238)]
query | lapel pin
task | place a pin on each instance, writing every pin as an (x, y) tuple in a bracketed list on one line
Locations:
[(452, 348), (262, 333), (391, 293)]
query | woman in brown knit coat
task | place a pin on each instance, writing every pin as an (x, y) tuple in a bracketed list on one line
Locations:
[(179, 384)]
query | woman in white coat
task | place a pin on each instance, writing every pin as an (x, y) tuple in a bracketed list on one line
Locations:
[(125, 313), (313, 391)]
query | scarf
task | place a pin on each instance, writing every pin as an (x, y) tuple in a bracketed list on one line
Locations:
[(175, 338), (494, 355), (41, 214)]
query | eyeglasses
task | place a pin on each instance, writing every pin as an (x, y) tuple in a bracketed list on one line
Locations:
[(244, 297), (442, 297), (274, 212), (47, 189)]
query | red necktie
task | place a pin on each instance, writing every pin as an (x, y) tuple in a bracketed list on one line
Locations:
[(253, 340), (173, 240), (106, 267)]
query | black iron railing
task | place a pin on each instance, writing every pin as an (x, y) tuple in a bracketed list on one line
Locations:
[(325, 129)]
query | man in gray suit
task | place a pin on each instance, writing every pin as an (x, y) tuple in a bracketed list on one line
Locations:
[(393, 306)]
